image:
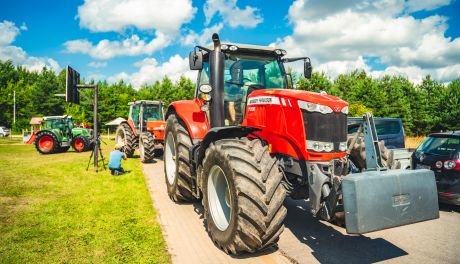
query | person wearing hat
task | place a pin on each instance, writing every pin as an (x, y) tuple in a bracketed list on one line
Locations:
[(115, 161)]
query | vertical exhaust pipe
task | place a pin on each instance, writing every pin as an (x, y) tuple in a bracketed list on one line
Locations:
[(216, 80)]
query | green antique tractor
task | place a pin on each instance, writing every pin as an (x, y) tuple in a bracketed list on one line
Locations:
[(59, 134)]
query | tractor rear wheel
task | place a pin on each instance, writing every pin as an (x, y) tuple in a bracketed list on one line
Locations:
[(242, 195), (146, 147), (176, 161), (125, 137), (80, 144), (47, 142)]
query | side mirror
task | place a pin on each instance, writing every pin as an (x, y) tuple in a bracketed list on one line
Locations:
[(307, 69), (195, 59)]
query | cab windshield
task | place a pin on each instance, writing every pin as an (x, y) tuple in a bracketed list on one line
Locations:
[(244, 73)]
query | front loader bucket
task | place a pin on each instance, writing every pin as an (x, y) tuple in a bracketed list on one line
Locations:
[(375, 200)]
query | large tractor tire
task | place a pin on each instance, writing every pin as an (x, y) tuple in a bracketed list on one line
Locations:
[(146, 147), (47, 142), (125, 137), (81, 144), (242, 195), (176, 161)]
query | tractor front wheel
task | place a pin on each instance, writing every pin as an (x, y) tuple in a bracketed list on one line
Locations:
[(146, 147), (125, 137), (176, 161), (80, 144), (242, 195), (47, 142)]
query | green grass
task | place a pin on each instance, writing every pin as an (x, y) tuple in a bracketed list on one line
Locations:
[(53, 210)]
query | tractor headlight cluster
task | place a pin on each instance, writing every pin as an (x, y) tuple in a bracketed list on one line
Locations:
[(319, 146), (345, 110), (311, 107)]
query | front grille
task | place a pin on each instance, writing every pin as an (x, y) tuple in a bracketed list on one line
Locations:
[(325, 127)]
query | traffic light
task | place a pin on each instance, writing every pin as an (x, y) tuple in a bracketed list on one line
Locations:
[(72, 94)]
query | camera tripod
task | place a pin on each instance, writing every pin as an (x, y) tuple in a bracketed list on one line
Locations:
[(96, 152)]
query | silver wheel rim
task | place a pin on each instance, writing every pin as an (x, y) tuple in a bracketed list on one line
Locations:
[(170, 158), (219, 198)]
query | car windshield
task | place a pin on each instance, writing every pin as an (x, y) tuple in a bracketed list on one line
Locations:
[(383, 127), (440, 146)]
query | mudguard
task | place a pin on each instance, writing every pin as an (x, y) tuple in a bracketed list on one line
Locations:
[(190, 113)]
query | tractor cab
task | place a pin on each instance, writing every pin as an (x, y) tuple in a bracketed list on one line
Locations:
[(246, 68), (143, 111)]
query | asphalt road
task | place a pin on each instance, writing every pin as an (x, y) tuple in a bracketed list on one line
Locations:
[(305, 239)]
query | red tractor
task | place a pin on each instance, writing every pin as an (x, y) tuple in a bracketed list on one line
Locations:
[(144, 130), (247, 141)]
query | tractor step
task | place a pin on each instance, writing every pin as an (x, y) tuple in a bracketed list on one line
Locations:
[(376, 200)]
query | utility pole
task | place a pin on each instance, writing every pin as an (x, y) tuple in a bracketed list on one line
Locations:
[(14, 107)]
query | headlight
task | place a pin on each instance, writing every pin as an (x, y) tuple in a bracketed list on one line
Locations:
[(319, 146), (449, 164), (343, 146), (345, 110), (438, 164), (233, 48), (311, 107)]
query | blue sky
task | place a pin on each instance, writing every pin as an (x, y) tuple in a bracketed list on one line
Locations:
[(142, 40)]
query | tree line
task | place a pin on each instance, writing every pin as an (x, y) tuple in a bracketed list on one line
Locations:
[(424, 108)]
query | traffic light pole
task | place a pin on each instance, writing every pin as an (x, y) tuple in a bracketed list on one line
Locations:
[(96, 148)]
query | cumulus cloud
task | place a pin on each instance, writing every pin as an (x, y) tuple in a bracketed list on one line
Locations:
[(353, 29), (107, 49), (115, 15), (150, 71), (231, 14), (203, 38), (8, 34)]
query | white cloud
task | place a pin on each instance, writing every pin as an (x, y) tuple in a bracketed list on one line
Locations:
[(107, 49), (336, 35), (249, 17), (150, 71), (8, 33), (97, 64), (417, 5), (118, 15), (203, 38)]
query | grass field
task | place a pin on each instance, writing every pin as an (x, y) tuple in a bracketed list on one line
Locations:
[(52, 210)]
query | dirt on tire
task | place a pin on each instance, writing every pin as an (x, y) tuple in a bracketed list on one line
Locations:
[(256, 195)]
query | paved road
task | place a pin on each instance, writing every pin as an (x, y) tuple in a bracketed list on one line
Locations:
[(305, 239)]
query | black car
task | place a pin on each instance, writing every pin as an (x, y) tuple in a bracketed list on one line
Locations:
[(440, 152)]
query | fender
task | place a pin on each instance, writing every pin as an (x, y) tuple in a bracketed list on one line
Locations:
[(217, 133), (131, 125), (190, 113)]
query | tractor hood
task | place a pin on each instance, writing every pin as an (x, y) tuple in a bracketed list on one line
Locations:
[(289, 97)]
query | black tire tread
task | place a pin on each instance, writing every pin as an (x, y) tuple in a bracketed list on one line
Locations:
[(147, 141), (130, 139), (183, 190), (260, 194), (56, 145)]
